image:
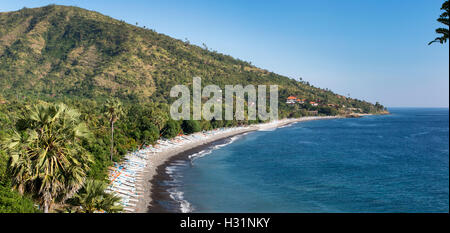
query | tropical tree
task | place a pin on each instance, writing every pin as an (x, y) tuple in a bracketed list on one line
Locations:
[(190, 126), (92, 197), (172, 129), (47, 159), (114, 111), (159, 118), (443, 18)]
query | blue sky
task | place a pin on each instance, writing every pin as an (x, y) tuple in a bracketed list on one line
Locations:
[(371, 49)]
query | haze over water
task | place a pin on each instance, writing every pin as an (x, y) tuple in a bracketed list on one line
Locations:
[(392, 163)]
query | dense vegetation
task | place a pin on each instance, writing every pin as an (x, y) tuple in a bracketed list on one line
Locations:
[(57, 51), (443, 18), (114, 80)]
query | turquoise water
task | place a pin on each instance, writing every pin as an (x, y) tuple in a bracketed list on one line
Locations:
[(392, 163)]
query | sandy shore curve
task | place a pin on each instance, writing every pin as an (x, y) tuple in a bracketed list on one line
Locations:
[(156, 160)]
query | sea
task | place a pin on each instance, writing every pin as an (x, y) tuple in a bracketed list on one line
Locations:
[(397, 163)]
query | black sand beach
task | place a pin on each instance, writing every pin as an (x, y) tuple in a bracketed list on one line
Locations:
[(161, 200)]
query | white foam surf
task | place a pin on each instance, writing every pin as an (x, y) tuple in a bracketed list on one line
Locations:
[(173, 170)]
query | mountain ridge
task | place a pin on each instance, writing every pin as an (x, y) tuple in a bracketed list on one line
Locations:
[(56, 51)]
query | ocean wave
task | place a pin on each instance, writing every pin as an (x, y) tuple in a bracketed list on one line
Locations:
[(173, 170), (268, 129), (287, 125), (420, 134), (215, 147), (178, 196), (354, 124), (175, 173)]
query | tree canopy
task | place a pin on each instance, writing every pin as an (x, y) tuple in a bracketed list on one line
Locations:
[(443, 18)]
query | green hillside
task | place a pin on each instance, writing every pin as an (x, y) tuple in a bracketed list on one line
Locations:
[(58, 51), (95, 64)]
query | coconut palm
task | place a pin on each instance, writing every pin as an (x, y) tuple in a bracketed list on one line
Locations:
[(114, 111), (47, 159), (158, 118), (92, 197), (443, 18)]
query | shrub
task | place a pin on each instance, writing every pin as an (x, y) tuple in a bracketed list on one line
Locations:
[(13, 202), (172, 129), (190, 126), (150, 135)]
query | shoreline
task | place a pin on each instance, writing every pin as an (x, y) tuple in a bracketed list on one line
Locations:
[(156, 166), (160, 193), (155, 171)]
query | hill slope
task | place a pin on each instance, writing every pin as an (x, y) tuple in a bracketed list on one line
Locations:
[(57, 51)]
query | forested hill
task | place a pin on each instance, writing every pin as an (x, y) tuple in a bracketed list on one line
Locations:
[(111, 81), (61, 51)]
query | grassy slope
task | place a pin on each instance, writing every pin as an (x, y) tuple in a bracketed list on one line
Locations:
[(57, 51)]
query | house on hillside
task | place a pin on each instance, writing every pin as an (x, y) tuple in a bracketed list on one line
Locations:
[(313, 103), (301, 101), (291, 100)]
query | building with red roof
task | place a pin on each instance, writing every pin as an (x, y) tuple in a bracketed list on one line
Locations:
[(291, 100)]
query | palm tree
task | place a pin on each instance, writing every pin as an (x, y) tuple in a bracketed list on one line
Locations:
[(158, 118), (47, 159), (443, 18), (113, 111), (92, 197)]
